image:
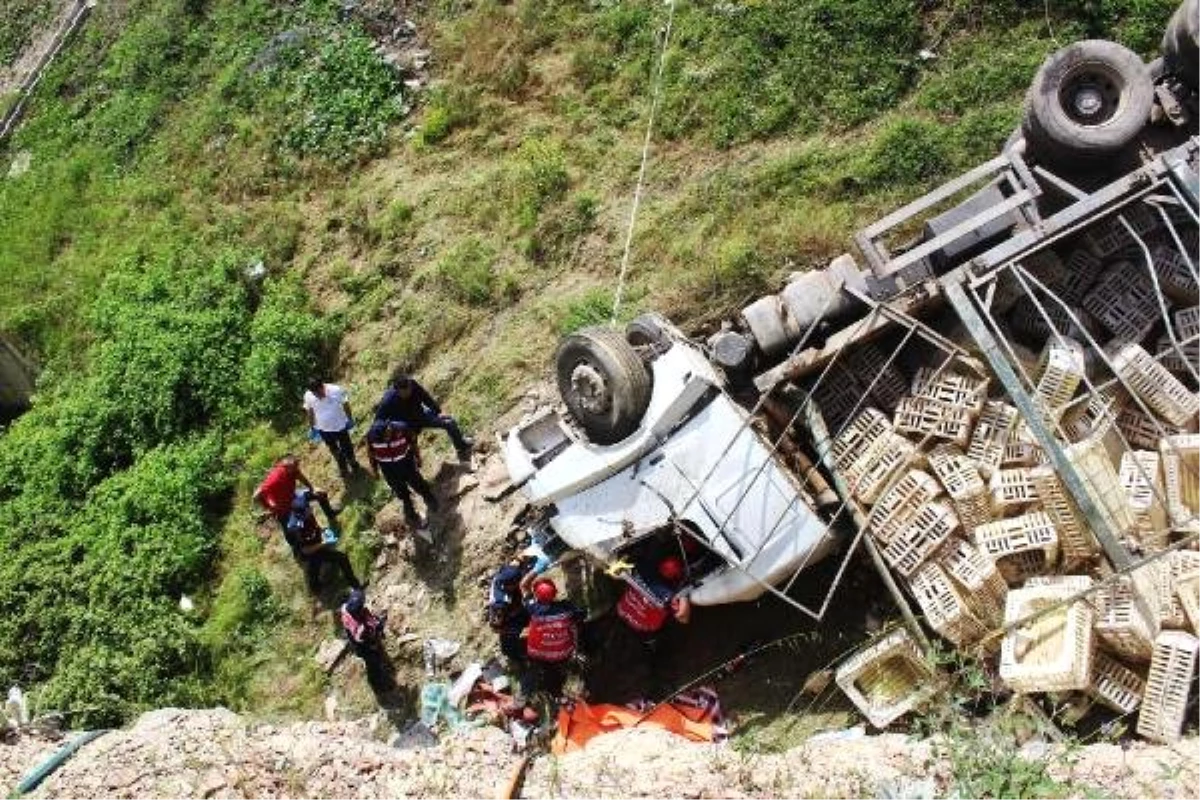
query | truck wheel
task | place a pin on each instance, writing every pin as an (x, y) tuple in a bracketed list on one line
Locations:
[(1087, 102), (603, 382), (645, 331), (1181, 44)]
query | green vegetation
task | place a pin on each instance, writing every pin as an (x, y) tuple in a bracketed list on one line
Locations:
[(175, 143)]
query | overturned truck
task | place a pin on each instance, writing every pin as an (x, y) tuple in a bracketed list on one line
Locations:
[(1000, 409)]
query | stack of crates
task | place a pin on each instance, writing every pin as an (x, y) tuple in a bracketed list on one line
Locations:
[(1054, 651), (1075, 540), (1013, 490), (1100, 480), (1120, 622), (1022, 547), (1164, 704), (928, 529), (887, 679)]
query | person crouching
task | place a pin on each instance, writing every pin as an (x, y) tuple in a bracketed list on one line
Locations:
[(552, 638)]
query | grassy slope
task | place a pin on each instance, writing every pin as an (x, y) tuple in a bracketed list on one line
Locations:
[(467, 238)]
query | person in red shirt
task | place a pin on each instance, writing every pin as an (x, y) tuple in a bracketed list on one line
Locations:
[(551, 639), (278, 488)]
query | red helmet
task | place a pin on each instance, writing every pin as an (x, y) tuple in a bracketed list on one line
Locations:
[(544, 590), (671, 569)]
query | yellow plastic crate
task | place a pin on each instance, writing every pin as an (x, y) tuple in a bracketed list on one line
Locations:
[(887, 679), (1054, 652)]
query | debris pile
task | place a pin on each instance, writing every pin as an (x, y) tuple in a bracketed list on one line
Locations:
[(967, 507)]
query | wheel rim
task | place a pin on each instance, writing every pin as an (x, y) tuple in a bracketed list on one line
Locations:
[(1091, 96), (590, 389)]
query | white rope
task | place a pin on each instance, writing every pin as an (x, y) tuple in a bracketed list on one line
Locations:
[(637, 192)]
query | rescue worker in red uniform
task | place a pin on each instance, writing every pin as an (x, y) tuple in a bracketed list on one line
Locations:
[(392, 451), (648, 603), (551, 639)]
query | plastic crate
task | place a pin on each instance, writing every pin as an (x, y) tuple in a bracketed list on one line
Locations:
[(1038, 324), (900, 504), (1140, 430), (1187, 593), (895, 453), (1101, 482), (838, 395), (1123, 301), (1153, 383), (1060, 369), (869, 364), (945, 608), (1121, 624), (1095, 417), (1187, 332), (956, 472), (922, 417), (868, 427), (1106, 237), (1115, 685), (1075, 540), (933, 525), (1164, 705), (1020, 452), (1012, 489), (1082, 268), (888, 679), (1181, 477), (952, 388), (976, 574), (1021, 546), (1054, 652), (1141, 480), (1181, 565), (1174, 276), (991, 434)]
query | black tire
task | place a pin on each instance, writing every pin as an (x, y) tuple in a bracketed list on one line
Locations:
[(645, 331), (1087, 102), (603, 382), (1181, 44)]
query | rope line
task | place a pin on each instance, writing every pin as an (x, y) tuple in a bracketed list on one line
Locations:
[(637, 192)]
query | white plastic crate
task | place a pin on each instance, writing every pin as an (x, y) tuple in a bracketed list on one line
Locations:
[(957, 473), (1115, 685), (1181, 477), (1123, 301), (1182, 361), (868, 427), (1153, 383), (933, 525), (1075, 540), (1106, 237), (1096, 416), (1120, 621), (1141, 480), (991, 434), (1187, 594), (1060, 369), (1021, 546), (1037, 324), (923, 416), (888, 679), (900, 504), (1101, 482), (1021, 451), (1164, 705), (976, 574), (894, 454), (1181, 565), (1012, 490), (950, 387), (838, 395), (1142, 431), (1054, 652), (945, 608)]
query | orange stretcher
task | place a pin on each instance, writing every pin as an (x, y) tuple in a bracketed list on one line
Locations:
[(580, 722)]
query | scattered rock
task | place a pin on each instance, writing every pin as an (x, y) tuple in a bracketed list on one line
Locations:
[(330, 653)]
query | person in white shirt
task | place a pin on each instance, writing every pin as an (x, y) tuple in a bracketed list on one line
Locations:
[(330, 419)]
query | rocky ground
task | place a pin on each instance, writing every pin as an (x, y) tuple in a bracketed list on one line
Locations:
[(215, 753)]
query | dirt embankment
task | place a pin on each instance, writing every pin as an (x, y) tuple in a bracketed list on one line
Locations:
[(215, 753)]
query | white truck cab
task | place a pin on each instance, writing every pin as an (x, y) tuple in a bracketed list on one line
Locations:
[(691, 459)]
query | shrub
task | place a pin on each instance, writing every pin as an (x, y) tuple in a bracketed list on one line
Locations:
[(467, 271), (539, 177), (450, 108)]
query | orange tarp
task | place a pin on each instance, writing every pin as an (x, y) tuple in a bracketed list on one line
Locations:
[(580, 723)]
